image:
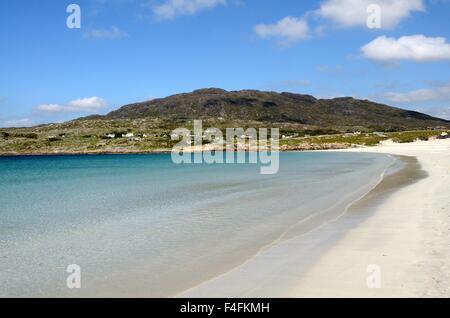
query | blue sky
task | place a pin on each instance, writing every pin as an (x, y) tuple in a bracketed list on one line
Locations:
[(133, 50)]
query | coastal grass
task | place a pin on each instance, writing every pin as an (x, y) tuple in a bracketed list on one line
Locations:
[(337, 141), (153, 135)]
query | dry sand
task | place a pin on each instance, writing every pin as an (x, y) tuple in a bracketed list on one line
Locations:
[(406, 237)]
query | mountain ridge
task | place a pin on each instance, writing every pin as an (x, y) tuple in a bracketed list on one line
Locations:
[(273, 107)]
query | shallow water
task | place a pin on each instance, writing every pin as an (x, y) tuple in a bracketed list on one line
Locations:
[(139, 225)]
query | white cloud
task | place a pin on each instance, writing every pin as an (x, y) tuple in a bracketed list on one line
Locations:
[(343, 13), (431, 99), (440, 93), (288, 30), (415, 47), (24, 122), (443, 112), (111, 33), (173, 8), (84, 105), (436, 111), (50, 108), (349, 13), (88, 104)]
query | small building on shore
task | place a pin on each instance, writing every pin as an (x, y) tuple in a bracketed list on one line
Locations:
[(128, 135)]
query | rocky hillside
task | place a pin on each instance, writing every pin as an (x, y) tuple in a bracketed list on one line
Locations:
[(270, 107)]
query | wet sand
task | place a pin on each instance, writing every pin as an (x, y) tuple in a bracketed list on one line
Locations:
[(401, 228)]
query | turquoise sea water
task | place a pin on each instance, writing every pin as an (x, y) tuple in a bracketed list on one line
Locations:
[(139, 225)]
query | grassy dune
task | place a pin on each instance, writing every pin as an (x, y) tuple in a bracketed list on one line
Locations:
[(91, 136)]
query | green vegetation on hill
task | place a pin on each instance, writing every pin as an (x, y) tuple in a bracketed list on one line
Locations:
[(95, 136), (304, 122)]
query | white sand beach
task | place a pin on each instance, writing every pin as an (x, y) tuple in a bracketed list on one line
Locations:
[(406, 237)]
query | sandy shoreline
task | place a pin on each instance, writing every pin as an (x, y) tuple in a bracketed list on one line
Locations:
[(406, 238)]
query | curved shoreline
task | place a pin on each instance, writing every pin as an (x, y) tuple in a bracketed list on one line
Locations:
[(406, 237), (212, 287)]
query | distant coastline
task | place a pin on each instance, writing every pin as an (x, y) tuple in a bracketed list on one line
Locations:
[(287, 144), (304, 123)]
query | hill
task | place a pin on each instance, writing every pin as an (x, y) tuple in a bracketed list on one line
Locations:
[(271, 107), (305, 122)]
